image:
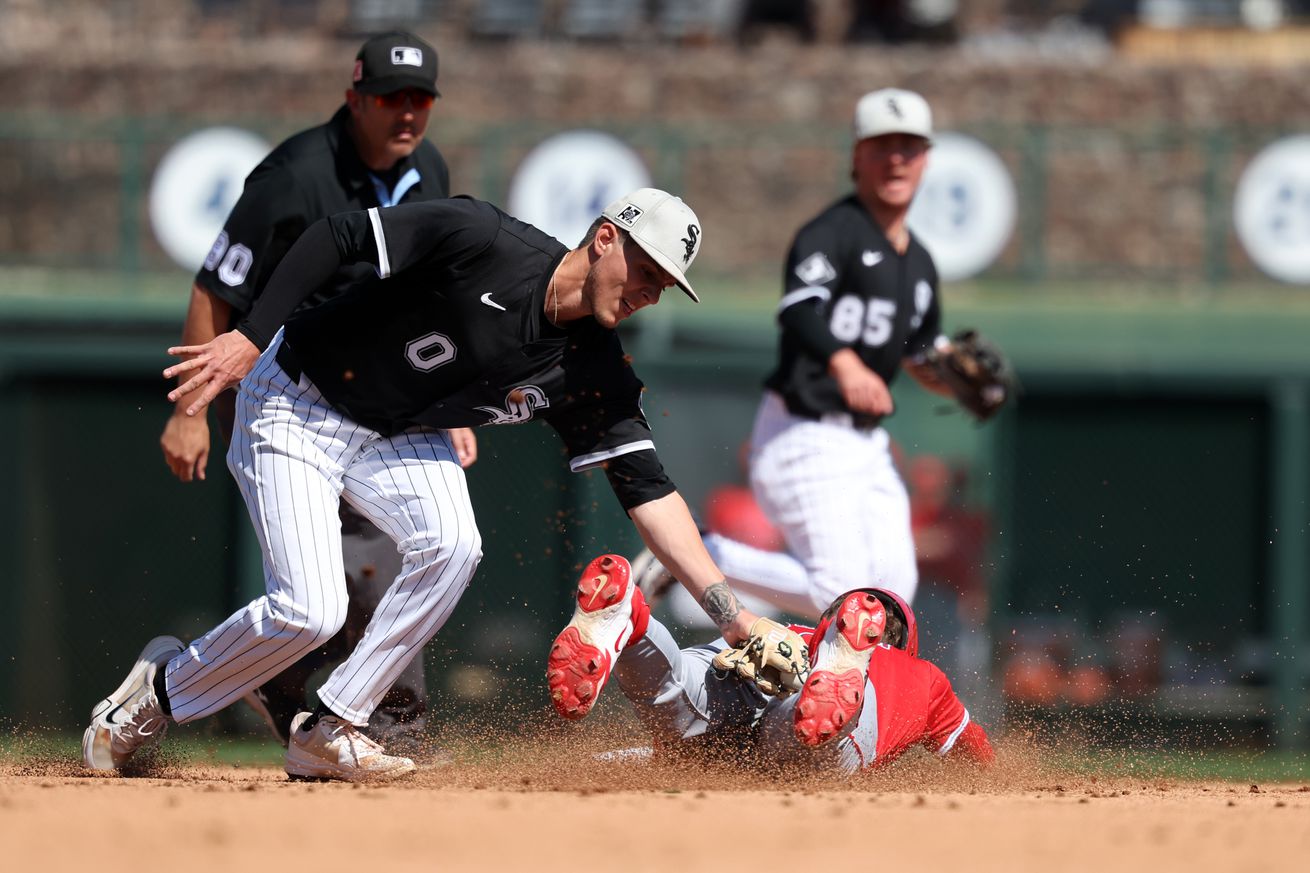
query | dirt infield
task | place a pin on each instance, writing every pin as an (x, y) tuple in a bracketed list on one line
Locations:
[(548, 808)]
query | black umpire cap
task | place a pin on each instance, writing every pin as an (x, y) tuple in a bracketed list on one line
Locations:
[(395, 61)]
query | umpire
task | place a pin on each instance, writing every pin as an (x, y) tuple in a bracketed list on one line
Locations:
[(371, 153)]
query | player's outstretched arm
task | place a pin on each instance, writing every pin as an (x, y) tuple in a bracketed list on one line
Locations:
[(225, 360), (185, 440), (216, 365), (666, 526)]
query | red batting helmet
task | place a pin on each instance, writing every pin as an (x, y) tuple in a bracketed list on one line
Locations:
[(896, 606)]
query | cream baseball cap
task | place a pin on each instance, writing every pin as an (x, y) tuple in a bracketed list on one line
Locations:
[(892, 110), (664, 227)]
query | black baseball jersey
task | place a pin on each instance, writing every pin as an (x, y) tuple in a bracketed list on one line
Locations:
[(311, 175), (846, 287), (454, 334)]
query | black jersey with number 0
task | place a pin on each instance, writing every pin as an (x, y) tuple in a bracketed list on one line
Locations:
[(846, 287), (311, 175), (455, 335)]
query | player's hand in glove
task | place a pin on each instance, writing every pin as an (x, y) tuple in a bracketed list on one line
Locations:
[(975, 371), (774, 658)]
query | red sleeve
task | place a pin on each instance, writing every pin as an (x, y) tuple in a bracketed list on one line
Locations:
[(972, 744), (949, 729)]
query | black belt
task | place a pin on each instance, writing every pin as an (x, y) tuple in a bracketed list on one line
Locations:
[(854, 420)]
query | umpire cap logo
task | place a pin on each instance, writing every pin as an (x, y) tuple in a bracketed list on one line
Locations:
[(406, 56)]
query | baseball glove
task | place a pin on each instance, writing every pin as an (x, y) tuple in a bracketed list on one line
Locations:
[(774, 658), (975, 371)]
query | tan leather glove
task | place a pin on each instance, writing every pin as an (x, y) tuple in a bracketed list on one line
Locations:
[(774, 658)]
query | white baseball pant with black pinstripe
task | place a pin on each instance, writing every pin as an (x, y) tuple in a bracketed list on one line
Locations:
[(294, 457), (834, 493)]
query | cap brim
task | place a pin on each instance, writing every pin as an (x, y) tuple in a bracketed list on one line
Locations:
[(391, 84), (679, 278), (877, 133)]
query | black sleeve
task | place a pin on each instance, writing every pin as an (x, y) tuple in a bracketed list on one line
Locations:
[(610, 431), (808, 282), (431, 232), (637, 478), (805, 323), (310, 264)]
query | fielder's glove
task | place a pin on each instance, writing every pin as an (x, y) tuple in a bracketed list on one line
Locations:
[(775, 658), (975, 371)]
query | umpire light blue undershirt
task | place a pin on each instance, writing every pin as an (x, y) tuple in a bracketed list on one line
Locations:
[(403, 184)]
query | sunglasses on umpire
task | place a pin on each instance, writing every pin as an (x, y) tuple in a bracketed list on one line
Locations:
[(420, 100)]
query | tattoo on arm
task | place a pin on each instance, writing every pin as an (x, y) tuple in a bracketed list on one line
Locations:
[(720, 604)]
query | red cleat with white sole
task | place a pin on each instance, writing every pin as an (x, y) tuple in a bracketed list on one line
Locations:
[(610, 613), (841, 648)]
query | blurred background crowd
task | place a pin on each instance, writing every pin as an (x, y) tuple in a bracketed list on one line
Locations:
[(1122, 201)]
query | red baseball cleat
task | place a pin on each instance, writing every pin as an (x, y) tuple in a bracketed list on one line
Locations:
[(834, 693), (610, 612)]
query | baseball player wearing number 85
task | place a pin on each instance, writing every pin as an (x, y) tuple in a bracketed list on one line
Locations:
[(867, 700), (478, 319), (860, 301)]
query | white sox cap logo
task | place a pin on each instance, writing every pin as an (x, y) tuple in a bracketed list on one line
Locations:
[(664, 227), (892, 110)]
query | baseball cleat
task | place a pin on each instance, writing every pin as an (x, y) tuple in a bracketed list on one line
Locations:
[(609, 612), (131, 717), (335, 749), (653, 581), (834, 693)]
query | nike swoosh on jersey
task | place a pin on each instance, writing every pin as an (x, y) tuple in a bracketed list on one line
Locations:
[(486, 298), (872, 258)]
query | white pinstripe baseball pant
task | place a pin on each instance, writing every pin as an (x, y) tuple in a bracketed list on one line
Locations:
[(294, 457), (835, 495)]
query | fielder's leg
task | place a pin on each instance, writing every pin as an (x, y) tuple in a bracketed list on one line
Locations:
[(286, 454), (413, 487), (372, 563), (842, 509)]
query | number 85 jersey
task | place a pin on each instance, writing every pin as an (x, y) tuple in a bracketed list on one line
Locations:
[(846, 287)]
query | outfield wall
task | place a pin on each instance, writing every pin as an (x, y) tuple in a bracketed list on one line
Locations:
[(1154, 467)]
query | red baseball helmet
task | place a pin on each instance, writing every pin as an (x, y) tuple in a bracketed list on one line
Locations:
[(895, 604)]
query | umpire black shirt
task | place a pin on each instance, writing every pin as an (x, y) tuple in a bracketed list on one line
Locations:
[(311, 175)]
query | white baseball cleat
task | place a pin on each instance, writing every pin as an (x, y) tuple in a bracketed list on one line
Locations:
[(131, 717), (652, 579), (335, 749), (609, 612), (840, 651)]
